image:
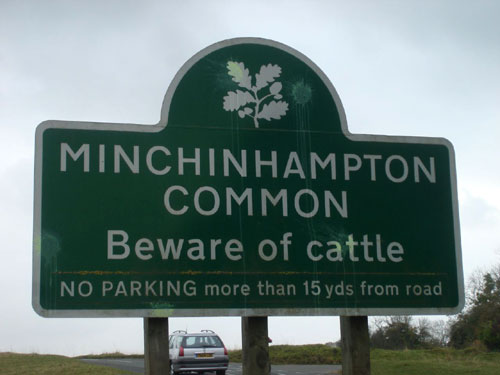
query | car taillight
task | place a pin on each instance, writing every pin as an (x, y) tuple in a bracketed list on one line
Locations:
[(225, 350), (181, 352)]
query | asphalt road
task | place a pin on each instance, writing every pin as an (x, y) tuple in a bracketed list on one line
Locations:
[(137, 366)]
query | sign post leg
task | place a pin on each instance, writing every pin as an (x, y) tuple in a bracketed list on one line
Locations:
[(355, 345), (156, 360), (255, 344)]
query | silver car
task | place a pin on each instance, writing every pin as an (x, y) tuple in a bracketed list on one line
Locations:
[(197, 352)]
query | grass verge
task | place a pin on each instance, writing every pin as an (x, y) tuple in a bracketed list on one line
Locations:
[(115, 355), (434, 361), (383, 362), (442, 361), (28, 364), (315, 354)]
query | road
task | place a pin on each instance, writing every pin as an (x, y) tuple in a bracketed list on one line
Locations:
[(137, 366)]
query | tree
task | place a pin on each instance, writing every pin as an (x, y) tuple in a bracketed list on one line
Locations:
[(399, 332), (440, 330), (480, 320)]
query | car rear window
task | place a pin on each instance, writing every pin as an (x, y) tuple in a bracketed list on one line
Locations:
[(201, 342)]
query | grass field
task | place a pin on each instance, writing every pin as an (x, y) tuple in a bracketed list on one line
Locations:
[(383, 362)]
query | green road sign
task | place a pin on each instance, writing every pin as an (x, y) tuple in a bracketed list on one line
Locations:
[(250, 197)]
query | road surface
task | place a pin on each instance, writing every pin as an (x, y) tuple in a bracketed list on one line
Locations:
[(137, 366)]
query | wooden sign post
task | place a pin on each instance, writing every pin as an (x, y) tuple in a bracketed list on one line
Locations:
[(156, 360)]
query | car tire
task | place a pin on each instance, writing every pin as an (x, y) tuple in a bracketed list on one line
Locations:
[(220, 372), (172, 372)]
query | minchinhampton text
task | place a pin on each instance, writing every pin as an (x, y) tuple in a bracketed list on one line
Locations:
[(256, 164), (159, 160)]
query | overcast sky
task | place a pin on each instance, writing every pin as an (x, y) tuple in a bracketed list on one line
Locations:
[(422, 68)]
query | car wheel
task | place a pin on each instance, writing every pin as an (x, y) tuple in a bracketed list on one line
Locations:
[(220, 372)]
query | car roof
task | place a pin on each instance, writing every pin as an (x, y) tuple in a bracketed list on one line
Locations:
[(202, 333)]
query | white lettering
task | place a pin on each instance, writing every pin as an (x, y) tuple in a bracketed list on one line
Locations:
[(329, 198), (266, 195), (216, 200), (121, 154), (166, 200), (315, 203), (84, 149), (182, 160), (418, 165), (330, 159), (149, 160), (121, 243), (348, 167), (247, 194), (388, 171), (241, 168), (293, 158), (259, 163)]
